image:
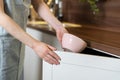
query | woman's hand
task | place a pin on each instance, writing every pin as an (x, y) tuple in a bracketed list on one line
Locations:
[(46, 52), (59, 33)]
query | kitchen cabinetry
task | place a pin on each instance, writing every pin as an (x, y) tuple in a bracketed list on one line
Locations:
[(79, 66), (82, 67)]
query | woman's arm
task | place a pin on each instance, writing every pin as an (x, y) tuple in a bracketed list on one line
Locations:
[(43, 50), (45, 13)]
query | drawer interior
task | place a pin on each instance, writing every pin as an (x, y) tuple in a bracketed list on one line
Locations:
[(91, 51)]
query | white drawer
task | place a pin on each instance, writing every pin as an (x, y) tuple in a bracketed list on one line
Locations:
[(82, 67)]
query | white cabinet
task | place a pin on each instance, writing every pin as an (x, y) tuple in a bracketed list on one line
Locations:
[(82, 67)]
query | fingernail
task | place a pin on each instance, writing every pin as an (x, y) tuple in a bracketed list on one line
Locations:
[(60, 59), (58, 62)]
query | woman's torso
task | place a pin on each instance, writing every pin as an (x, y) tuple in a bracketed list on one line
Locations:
[(18, 10)]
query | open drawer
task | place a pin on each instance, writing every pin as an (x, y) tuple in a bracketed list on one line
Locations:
[(82, 67)]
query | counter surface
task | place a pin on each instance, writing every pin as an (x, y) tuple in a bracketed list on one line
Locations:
[(105, 40)]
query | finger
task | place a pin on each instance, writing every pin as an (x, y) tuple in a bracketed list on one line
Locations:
[(52, 48), (53, 60), (54, 55), (46, 59)]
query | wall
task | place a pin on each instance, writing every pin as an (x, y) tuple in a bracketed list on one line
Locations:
[(108, 18)]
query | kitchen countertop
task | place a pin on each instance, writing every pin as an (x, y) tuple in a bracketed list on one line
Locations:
[(100, 39)]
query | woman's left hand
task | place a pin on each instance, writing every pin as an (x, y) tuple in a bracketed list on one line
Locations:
[(60, 32)]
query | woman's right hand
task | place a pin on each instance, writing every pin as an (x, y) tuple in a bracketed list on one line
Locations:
[(46, 52)]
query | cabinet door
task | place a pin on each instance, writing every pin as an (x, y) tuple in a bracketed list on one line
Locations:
[(82, 67)]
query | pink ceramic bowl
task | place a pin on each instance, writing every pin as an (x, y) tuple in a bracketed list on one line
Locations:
[(73, 43)]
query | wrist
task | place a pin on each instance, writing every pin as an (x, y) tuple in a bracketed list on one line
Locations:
[(58, 27), (34, 44)]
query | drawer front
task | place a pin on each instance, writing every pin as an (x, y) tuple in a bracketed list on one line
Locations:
[(82, 67)]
